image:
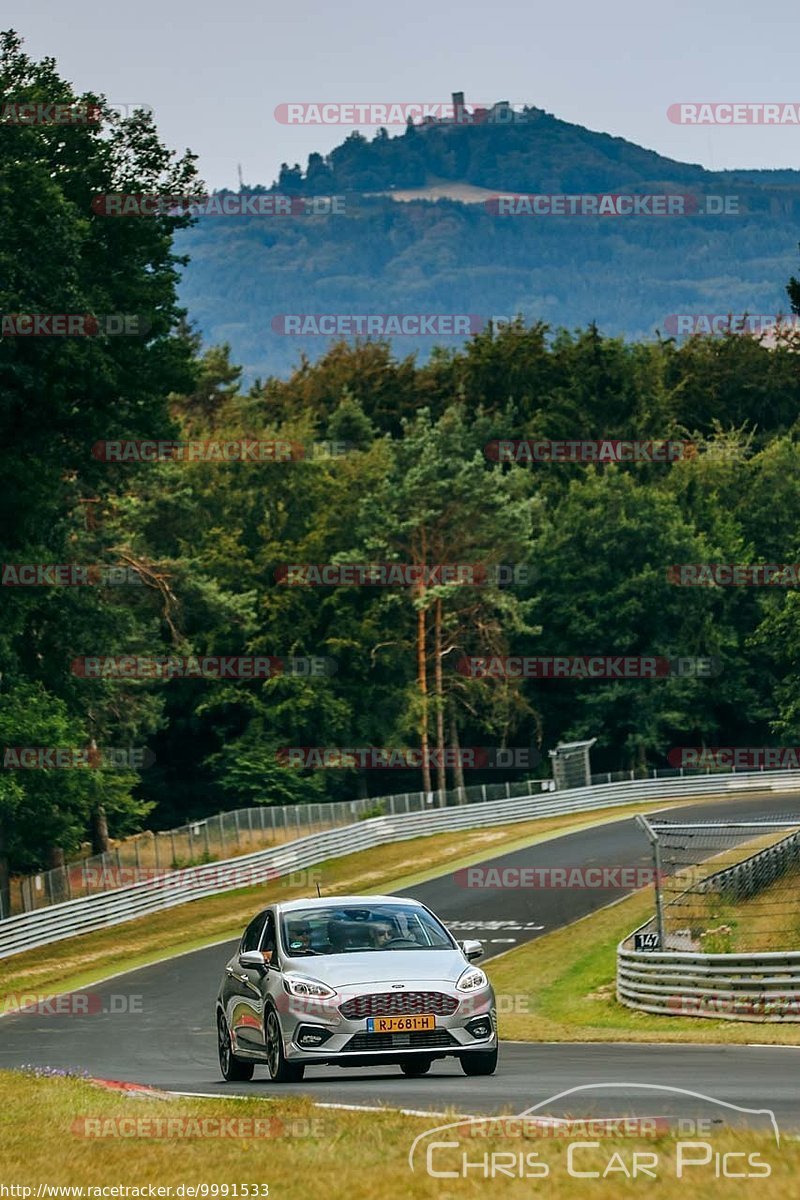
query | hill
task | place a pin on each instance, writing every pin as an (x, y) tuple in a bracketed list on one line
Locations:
[(433, 253)]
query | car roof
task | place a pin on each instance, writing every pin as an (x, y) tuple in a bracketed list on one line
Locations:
[(287, 906)]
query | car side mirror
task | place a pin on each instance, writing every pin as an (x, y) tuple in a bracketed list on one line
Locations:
[(254, 959), (472, 950)]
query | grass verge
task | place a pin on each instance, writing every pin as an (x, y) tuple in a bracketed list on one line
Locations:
[(342, 1154), (561, 988)]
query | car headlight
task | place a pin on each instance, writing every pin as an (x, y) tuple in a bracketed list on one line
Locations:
[(309, 989), (472, 979)]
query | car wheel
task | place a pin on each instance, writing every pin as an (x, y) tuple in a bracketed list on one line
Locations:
[(414, 1067), (479, 1062), (233, 1069), (280, 1071)]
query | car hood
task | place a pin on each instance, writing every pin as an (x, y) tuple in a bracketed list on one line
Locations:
[(382, 966)]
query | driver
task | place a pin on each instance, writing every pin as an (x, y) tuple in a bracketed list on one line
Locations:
[(299, 933), (382, 935)]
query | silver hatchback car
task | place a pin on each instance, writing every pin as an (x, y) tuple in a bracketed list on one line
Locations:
[(353, 981)]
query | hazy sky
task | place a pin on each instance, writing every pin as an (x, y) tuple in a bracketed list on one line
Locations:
[(214, 72)]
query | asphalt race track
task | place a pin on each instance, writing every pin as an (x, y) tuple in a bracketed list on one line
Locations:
[(155, 1025)]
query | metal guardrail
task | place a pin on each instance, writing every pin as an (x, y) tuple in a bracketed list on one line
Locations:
[(731, 987), (59, 921), (753, 874)]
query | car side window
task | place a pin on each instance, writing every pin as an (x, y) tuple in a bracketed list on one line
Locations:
[(252, 935), (268, 937)]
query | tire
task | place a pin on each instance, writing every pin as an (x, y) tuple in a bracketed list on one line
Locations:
[(414, 1067), (232, 1069), (280, 1071), (479, 1062)]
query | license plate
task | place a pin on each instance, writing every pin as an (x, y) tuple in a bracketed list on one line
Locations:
[(400, 1024)]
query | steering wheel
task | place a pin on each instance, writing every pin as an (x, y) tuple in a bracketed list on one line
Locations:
[(400, 941)]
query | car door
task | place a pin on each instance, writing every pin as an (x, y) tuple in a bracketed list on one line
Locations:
[(272, 978), (245, 990)]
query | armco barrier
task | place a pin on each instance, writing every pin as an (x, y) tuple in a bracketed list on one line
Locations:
[(755, 873), (29, 930), (732, 987)]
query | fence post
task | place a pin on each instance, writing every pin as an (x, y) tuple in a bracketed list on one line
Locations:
[(652, 836), (172, 843), (208, 844), (191, 844), (236, 823), (221, 835)]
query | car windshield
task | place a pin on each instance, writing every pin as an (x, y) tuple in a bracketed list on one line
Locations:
[(353, 930)]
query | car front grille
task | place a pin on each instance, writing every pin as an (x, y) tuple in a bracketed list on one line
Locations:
[(398, 1004), (421, 1039)]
